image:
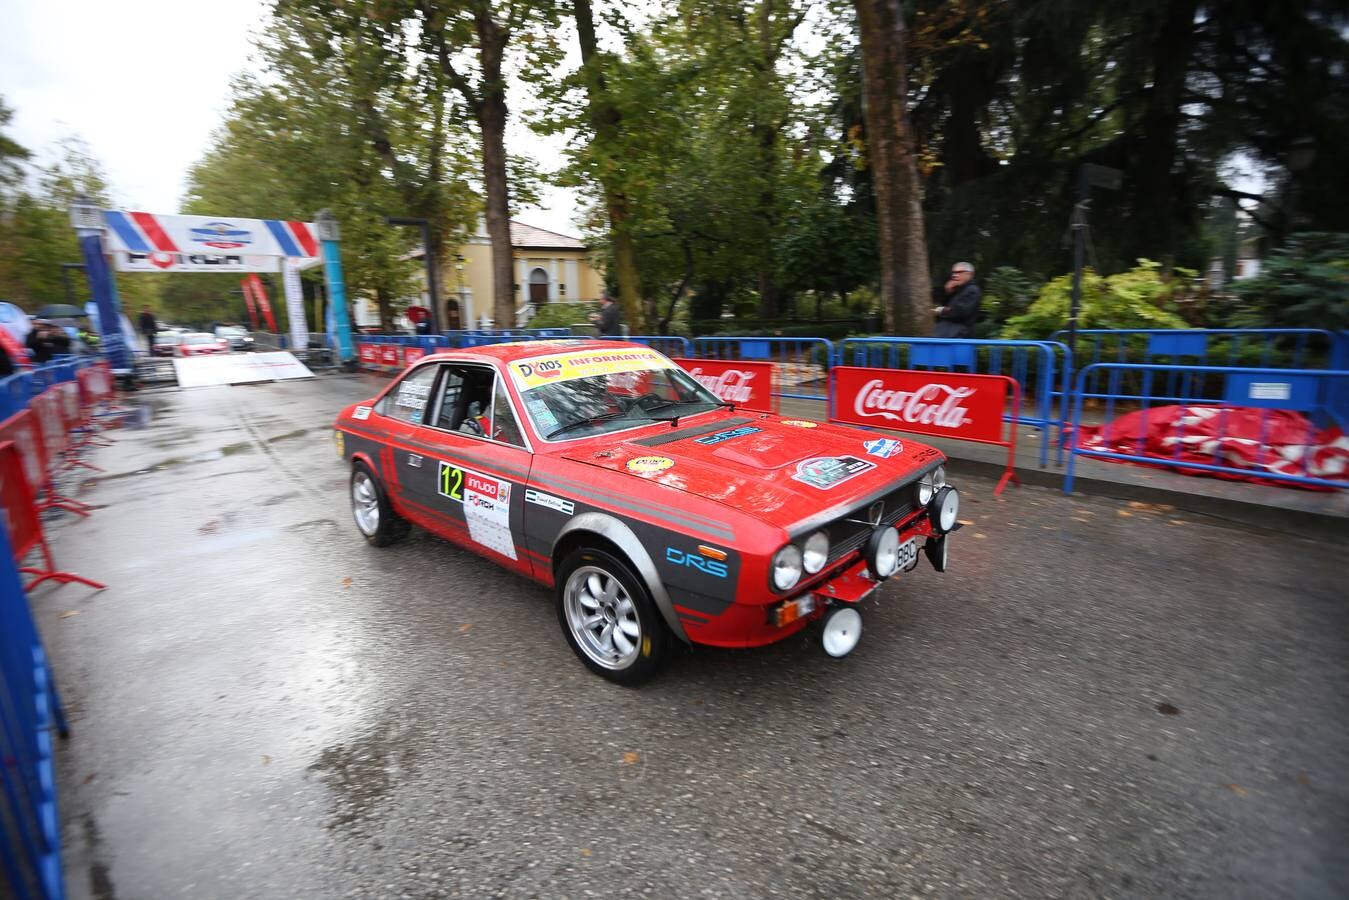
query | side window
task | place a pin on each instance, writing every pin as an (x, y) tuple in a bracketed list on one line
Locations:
[(504, 426), (450, 387), (410, 398)]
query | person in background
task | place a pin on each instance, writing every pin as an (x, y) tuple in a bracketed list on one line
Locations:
[(46, 341), (956, 319), (149, 327), (607, 319), (6, 364)]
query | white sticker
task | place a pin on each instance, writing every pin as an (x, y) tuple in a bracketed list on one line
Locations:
[(566, 507), (489, 518), (361, 413), (1271, 390)]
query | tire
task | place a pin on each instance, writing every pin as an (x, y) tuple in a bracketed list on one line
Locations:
[(600, 604), (370, 508)]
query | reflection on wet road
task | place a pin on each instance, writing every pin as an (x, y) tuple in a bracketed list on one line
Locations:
[(1099, 698)]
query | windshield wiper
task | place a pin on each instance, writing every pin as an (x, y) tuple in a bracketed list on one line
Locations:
[(588, 420)]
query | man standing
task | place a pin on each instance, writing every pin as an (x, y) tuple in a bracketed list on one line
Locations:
[(956, 319), (149, 327), (607, 318)]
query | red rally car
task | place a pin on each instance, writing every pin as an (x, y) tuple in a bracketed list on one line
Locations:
[(655, 510)]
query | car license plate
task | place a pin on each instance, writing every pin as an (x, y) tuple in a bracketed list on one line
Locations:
[(908, 554)]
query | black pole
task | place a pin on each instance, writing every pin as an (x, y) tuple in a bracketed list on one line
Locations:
[(1079, 252), (432, 265)]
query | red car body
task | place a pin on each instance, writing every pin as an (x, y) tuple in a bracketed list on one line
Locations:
[(202, 344), (698, 507)]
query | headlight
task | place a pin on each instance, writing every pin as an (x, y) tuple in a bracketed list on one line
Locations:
[(883, 552), (786, 568), (944, 509), (930, 483), (816, 553)]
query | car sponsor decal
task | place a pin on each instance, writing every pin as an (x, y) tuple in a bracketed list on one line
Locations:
[(712, 567), (487, 505), (361, 413), (341, 441), (646, 465), (827, 472), (531, 373), (566, 507), (800, 423), (733, 433), (883, 447)]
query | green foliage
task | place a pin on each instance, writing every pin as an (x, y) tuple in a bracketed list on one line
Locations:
[(1008, 292), (12, 153), (1132, 299), (562, 315), (1305, 285)]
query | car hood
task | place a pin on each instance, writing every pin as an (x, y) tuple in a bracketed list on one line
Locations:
[(782, 470)]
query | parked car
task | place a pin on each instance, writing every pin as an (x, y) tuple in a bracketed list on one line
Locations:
[(199, 343), (166, 343), (236, 336), (656, 512)]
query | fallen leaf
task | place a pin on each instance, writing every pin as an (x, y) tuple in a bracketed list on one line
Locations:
[(465, 627), (1237, 789), (1081, 519), (965, 521), (266, 760), (629, 758), (980, 535), (1125, 514), (585, 851), (1138, 504), (1176, 522), (90, 777), (346, 582), (1167, 709), (1303, 780), (68, 613)]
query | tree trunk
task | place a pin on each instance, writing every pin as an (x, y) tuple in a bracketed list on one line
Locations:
[(385, 310), (492, 121), (905, 286), (607, 122)]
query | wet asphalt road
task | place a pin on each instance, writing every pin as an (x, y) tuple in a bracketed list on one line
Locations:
[(1099, 700)]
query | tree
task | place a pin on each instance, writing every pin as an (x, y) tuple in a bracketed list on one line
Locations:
[(12, 153), (906, 294)]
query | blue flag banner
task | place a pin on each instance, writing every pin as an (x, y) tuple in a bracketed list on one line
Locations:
[(113, 344)]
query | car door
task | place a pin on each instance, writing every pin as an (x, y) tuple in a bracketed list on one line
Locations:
[(398, 415), (473, 475)]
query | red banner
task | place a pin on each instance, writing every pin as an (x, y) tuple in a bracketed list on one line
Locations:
[(260, 294), (248, 301), (940, 404), (369, 353), (749, 385), (390, 354), (412, 354)]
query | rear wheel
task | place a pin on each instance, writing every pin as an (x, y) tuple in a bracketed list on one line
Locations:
[(608, 618), (375, 518)]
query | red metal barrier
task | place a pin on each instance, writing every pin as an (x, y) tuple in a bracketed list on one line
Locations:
[(749, 385), (941, 404), (25, 526), (21, 429)]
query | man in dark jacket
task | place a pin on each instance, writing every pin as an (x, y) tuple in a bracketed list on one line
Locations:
[(956, 319), (607, 318), (149, 327), (46, 341)]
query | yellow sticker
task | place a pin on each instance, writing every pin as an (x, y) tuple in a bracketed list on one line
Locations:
[(531, 373), (645, 465), (341, 441), (800, 423)]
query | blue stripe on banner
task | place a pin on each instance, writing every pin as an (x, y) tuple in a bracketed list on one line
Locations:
[(283, 238), (126, 231)]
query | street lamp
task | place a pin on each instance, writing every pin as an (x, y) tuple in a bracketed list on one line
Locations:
[(432, 264)]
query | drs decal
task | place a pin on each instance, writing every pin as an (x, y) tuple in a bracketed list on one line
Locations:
[(694, 561)]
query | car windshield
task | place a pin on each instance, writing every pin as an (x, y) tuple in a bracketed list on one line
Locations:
[(166, 337), (628, 387), (198, 339), (230, 331)]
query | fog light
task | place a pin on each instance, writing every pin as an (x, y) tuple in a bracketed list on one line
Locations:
[(944, 510), (882, 556), (842, 631), (792, 610)]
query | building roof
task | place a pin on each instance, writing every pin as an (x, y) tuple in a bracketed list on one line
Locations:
[(523, 235)]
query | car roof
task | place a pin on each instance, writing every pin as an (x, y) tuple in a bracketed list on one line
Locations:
[(514, 350)]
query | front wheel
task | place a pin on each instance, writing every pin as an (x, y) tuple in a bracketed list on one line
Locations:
[(608, 617), (370, 507)]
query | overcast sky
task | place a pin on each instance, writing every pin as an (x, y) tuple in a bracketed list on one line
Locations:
[(145, 83)]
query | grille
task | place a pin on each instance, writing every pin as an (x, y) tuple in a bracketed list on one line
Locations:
[(847, 536)]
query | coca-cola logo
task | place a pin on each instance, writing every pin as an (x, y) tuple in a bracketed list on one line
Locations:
[(732, 385), (936, 405)]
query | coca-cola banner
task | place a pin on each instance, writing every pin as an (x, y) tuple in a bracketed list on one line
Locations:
[(749, 385), (369, 353), (943, 404)]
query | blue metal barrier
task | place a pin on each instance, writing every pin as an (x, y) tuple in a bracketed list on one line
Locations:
[(1309, 391), (1030, 363), (803, 362), (30, 841), (669, 344)]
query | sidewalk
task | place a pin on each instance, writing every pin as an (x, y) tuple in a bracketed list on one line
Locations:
[(1263, 506)]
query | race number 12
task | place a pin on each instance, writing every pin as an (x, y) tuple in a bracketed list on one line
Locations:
[(451, 482)]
